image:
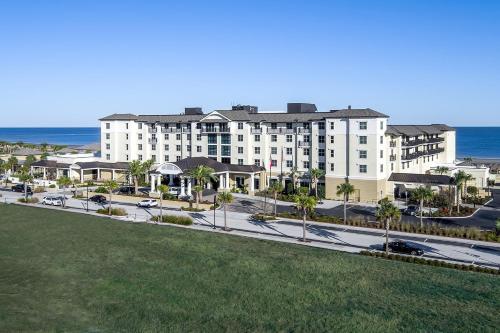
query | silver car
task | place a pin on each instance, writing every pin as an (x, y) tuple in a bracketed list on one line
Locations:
[(54, 201), (147, 203)]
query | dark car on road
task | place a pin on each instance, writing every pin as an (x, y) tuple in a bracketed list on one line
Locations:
[(100, 199), (126, 190), (404, 247), (411, 210), (20, 188)]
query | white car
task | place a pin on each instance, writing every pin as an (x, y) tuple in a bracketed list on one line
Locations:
[(54, 201), (147, 203)]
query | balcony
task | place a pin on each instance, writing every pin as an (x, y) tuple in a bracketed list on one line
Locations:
[(152, 130), (303, 144), (254, 130), (153, 140), (215, 130), (418, 154), (392, 158), (280, 130), (171, 130), (418, 142), (392, 144), (302, 130), (434, 151), (435, 140)]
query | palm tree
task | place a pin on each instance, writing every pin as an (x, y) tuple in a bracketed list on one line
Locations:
[(30, 159), (442, 170), (110, 185), (387, 213), (294, 175), (202, 174), (422, 194), (44, 147), (225, 198), (458, 183), (315, 175), (64, 182), (345, 189), (11, 163), (162, 189), (3, 169), (305, 204), (136, 170), (26, 177), (276, 188), (467, 178)]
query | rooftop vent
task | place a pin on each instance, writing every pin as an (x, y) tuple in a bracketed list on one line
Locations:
[(301, 108), (248, 108), (193, 111)]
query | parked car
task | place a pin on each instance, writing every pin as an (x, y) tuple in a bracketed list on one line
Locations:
[(20, 188), (174, 190), (100, 199), (147, 203), (411, 210), (54, 201), (126, 190), (400, 246)]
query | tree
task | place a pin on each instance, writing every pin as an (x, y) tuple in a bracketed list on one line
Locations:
[(12, 162), (422, 194), (137, 169), (3, 169), (44, 156), (225, 198), (110, 185), (64, 182), (26, 177), (387, 213), (345, 190), (442, 170), (467, 178), (294, 175), (473, 191), (315, 175), (30, 159), (162, 189), (458, 181), (276, 188), (44, 147), (202, 174), (305, 204)]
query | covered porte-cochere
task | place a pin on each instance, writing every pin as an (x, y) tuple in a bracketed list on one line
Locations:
[(404, 182), (176, 174)]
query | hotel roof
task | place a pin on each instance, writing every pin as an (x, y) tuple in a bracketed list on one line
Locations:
[(414, 130)]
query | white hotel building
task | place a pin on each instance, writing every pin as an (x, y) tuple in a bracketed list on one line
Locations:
[(247, 148)]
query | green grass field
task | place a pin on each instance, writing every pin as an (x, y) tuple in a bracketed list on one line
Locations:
[(63, 272)]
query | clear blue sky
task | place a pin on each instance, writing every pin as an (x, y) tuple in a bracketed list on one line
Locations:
[(67, 63)]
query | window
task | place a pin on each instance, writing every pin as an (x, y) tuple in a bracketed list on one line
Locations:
[(166, 147), (332, 166), (139, 136), (289, 125), (225, 139), (307, 138), (363, 125), (178, 136), (274, 163), (274, 150), (306, 125), (108, 136), (240, 150), (166, 158), (240, 138), (321, 125), (363, 154), (381, 125), (126, 136), (108, 157), (363, 140), (274, 138), (362, 168), (178, 158), (198, 149), (332, 153), (306, 151), (198, 137), (273, 125), (332, 139), (212, 138), (381, 139), (256, 150), (306, 164), (153, 147), (321, 165), (108, 146), (321, 152), (126, 157), (226, 150), (332, 125), (212, 150), (321, 139), (166, 136), (139, 126), (126, 146), (381, 154), (126, 125), (189, 136), (108, 125), (198, 125), (257, 138), (240, 161), (177, 147), (381, 168), (240, 126), (139, 157), (289, 164), (139, 146), (178, 126), (153, 158), (256, 125), (188, 147), (289, 138), (256, 162), (289, 151), (392, 166)]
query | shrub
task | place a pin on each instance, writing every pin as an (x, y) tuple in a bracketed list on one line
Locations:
[(114, 211), (52, 186), (192, 209), (262, 217), (30, 200), (101, 189), (38, 189), (212, 206), (169, 196), (182, 220)]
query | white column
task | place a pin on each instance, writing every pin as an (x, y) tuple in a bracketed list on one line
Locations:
[(113, 176), (183, 191), (227, 181), (152, 182), (158, 180), (189, 187), (252, 182), (81, 176), (99, 174), (44, 173)]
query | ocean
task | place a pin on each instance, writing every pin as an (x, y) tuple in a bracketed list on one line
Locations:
[(481, 142)]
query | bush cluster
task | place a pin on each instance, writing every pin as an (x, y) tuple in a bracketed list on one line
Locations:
[(312, 217), (192, 209), (262, 217), (52, 186), (182, 220), (445, 212), (114, 211), (101, 189), (38, 189), (430, 262), (28, 200)]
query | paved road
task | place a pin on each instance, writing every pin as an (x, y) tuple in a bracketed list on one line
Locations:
[(342, 238)]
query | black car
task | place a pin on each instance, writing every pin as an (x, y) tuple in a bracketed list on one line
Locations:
[(126, 190), (20, 188), (404, 247), (100, 199), (411, 210)]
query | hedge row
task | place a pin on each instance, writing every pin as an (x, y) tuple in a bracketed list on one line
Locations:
[(114, 211), (28, 200), (182, 220), (430, 262)]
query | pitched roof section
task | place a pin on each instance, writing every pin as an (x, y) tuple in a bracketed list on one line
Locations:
[(420, 178), (356, 113), (415, 130), (192, 162), (170, 118), (120, 116)]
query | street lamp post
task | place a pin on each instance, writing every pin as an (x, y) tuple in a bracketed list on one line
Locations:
[(215, 203), (87, 197)]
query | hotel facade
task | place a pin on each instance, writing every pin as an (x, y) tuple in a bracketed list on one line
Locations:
[(248, 148)]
